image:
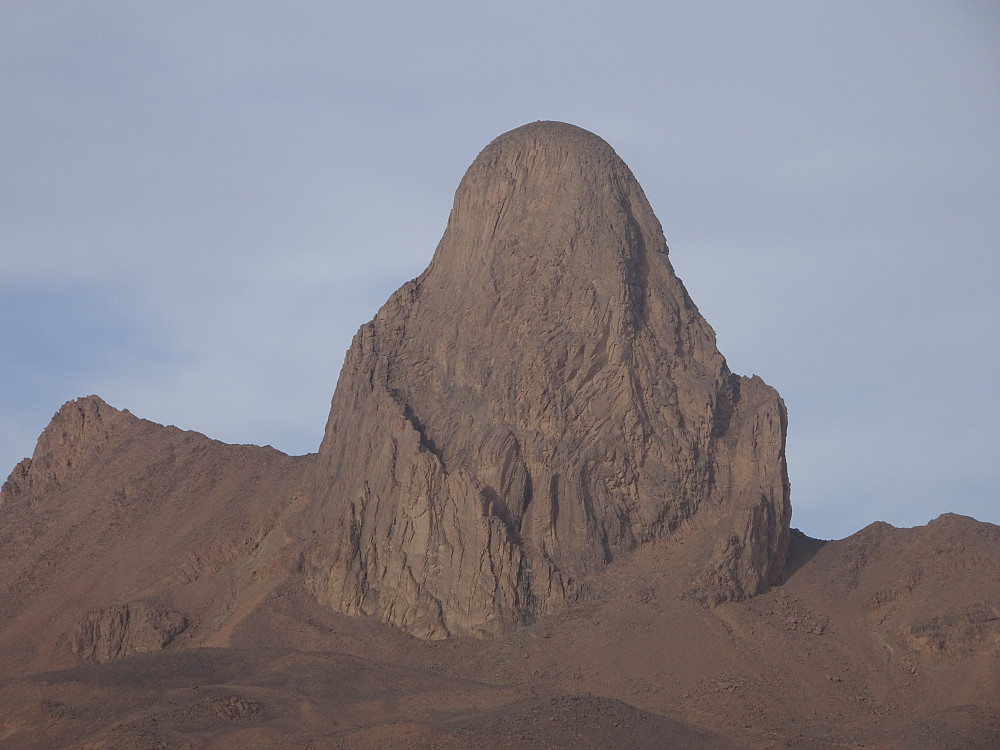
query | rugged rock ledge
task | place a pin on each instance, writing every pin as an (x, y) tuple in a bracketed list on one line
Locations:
[(110, 633)]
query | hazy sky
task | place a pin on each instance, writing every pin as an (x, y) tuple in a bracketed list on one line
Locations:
[(201, 202)]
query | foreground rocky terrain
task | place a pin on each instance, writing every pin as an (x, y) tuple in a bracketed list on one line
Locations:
[(544, 514)]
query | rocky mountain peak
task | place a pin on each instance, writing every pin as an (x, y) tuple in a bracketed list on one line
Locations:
[(547, 196), (542, 400), (80, 427)]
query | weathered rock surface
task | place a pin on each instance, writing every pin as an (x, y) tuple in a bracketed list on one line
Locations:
[(543, 399), (78, 432), (110, 633)]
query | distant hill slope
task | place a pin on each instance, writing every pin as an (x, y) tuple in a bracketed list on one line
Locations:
[(120, 535)]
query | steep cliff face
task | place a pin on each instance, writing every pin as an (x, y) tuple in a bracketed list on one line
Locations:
[(543, 399)]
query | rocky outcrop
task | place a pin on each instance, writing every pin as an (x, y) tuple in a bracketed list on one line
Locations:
[(81, 428), (123, 629), (543, 399)]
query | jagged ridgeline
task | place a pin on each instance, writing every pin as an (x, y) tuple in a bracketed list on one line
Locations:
[(542, 400)]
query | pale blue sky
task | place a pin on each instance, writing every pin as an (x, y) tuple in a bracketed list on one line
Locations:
[(200, 202)]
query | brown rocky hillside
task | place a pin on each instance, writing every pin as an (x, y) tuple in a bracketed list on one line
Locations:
[(544, 514)]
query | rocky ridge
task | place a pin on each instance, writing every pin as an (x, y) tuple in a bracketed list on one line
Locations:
[(118, 535)]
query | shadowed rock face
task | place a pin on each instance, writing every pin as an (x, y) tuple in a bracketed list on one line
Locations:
[(544, 398)]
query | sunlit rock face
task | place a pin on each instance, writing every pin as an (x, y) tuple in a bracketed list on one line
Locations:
[(541, 401)]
